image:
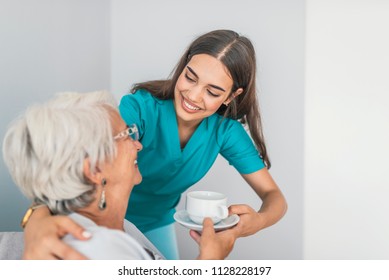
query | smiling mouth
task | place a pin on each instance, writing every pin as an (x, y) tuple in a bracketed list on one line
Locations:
[(189, 107)]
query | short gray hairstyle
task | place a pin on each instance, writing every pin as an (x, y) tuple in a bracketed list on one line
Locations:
[(44, 149)]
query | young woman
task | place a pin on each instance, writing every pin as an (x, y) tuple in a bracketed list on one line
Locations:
[(184, 123)]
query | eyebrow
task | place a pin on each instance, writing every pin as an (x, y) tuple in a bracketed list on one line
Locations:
[(211, 85)]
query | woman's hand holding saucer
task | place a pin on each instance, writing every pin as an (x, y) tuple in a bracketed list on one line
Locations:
[(214, 245)]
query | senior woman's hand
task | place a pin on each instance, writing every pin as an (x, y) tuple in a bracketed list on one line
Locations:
[(214, 245), (43, 233)]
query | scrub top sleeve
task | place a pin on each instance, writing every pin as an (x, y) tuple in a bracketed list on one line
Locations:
[(239, 150), (130, 108)]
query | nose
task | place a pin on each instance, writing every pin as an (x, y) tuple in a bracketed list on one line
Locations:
[(195, 94), (138, 145)]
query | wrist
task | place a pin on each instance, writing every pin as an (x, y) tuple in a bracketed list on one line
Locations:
[(33, 211)]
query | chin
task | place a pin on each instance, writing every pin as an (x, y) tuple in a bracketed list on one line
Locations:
[(138, 179)]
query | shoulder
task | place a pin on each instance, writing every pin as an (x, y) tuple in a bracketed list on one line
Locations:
[(105, 243), (141, 108), (238, 148), (226, 126), (141, 97)]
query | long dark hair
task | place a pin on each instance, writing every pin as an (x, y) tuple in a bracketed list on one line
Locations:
[(238, 55)]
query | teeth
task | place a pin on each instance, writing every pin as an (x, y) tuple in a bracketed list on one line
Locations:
[(135, 162), (190, 106)]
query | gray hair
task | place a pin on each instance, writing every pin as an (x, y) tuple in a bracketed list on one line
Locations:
[(45, 148)]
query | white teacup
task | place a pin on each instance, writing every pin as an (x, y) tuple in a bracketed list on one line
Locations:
[(202, 204)]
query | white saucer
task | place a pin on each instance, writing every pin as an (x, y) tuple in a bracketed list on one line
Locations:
[(182, 218)]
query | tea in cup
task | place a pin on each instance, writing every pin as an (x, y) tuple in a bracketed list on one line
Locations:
[(202, 204)]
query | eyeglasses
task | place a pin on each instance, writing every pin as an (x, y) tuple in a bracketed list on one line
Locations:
[(131, 131)]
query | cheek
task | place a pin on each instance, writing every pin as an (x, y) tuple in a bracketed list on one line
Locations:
[(212, 104), (181, 84), (124, 156), (178, 89)]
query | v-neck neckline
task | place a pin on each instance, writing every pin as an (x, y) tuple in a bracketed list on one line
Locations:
[(176, 136)]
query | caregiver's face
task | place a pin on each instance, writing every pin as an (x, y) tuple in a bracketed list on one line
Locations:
[(201, 89)]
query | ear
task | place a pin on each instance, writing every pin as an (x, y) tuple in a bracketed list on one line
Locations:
[(235, 94), (93, 177)]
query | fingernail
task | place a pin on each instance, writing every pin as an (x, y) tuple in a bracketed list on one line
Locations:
[(86, 234)]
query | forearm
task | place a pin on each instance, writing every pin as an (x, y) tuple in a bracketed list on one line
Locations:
[(273, 208)]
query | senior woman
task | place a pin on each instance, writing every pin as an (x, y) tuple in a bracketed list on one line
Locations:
[(75, 155)]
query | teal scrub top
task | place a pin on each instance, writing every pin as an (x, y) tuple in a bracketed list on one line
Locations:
[(167, 169)]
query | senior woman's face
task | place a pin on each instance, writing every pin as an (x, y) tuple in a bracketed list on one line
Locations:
[(124, 168)]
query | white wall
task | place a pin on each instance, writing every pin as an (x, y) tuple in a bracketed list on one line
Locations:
[(148, 38), (45, 47), (346, 184)]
